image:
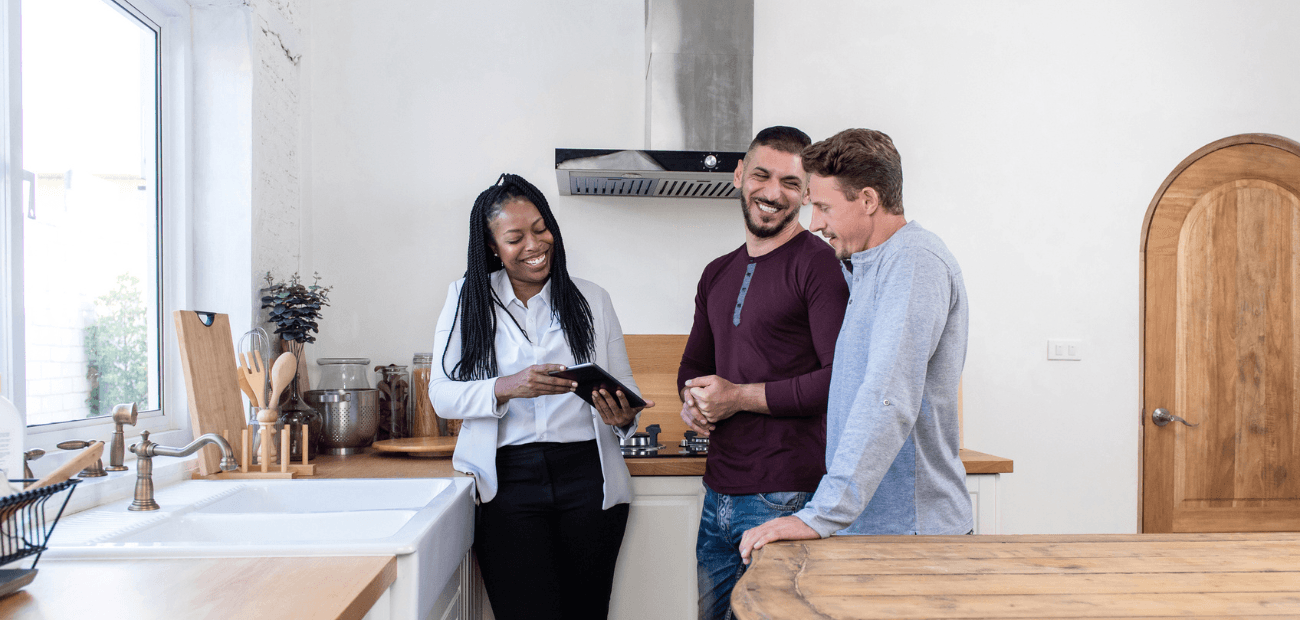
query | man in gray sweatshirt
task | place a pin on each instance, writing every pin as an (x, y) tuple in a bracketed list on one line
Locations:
[(892, 462)]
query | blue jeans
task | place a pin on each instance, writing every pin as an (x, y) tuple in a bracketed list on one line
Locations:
[(717, 548)]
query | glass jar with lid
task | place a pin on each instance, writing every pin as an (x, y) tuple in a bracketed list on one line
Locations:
[(344, 373), (424, 423), (394, 401)]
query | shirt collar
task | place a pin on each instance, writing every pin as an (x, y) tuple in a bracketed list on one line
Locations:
[(867, 256), (506, 293)]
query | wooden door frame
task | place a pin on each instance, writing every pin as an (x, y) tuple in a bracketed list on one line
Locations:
[(1263, 139)]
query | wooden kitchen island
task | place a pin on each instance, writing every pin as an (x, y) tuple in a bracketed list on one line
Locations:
[(1040, 576)]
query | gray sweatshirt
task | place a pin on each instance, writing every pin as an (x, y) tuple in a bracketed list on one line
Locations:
[(892, 462)]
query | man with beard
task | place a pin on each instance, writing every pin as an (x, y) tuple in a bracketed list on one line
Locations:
[(757, 366)]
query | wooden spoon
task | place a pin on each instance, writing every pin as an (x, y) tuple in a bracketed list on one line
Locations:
[(78, 463), (281, 374)]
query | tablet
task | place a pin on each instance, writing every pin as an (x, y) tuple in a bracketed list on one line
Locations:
[(591, 377)]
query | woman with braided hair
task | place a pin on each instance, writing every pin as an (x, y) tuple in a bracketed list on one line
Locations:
[(552, 485)]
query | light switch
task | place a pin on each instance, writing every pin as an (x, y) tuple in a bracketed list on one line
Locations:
[(1064, 350)]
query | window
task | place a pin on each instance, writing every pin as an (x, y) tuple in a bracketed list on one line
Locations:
[(82, 267)]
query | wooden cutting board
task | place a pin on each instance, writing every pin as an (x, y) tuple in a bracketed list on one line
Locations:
[(418, 446), (211, 379)]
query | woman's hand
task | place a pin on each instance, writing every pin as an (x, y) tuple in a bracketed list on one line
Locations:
[(614, 409), (531, 382)]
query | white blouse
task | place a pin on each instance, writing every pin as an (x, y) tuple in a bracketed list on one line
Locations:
[(553, 418)]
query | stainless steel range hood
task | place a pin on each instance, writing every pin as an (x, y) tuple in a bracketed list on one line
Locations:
[(699, 108)]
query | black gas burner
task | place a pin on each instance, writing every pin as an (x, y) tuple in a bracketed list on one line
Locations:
[(647, 451), (646, 444), (695, 445)]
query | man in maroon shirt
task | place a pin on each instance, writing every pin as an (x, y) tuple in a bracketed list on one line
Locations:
[(757, 366)]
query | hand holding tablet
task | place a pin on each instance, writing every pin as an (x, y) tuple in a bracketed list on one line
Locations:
[(591, 377)]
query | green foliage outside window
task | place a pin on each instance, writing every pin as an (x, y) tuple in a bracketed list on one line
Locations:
[(116, 342)]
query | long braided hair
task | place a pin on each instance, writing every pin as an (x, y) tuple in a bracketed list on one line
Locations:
[(475, 309)]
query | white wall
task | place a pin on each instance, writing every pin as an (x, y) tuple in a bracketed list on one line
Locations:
[(1033, 137), (248, 216), (418, 107), (277, 52)]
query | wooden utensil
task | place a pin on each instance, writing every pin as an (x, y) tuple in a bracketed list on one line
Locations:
[(282, 373), (211, 378), (246, 388), (67, 470), (255, 372)]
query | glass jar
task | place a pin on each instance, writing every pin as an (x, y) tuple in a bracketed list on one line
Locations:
[(424, 420), (394, 401), (343, 373)]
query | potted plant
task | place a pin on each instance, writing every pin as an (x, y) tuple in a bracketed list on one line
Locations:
[(295, 309)]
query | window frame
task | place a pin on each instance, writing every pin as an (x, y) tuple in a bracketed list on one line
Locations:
[(170, 19)]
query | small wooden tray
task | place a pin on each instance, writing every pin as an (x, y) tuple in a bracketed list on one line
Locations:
[(418, 446)]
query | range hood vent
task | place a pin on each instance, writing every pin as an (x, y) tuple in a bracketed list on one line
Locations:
[(699, 77), (649, 174), (650, 188)]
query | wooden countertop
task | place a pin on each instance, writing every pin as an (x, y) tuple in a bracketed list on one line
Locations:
[(1077, 576), (216, 588), (371, 464)]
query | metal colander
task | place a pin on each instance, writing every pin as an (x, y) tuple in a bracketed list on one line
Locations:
[(351, 418)]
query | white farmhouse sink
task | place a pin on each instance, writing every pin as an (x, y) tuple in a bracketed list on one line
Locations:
[(427, 523), (334, 496), (269, 529)]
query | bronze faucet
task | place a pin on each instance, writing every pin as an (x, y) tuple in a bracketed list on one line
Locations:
[(146, 450), (122, 414)]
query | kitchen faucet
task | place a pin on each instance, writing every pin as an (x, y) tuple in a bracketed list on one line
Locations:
[(146, 450)]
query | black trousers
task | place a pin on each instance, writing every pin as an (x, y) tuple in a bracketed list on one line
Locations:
[(545, 547)]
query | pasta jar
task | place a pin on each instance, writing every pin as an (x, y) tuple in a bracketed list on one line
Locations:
[(424, 420)]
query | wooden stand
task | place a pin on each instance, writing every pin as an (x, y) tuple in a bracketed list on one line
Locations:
[(286, 469)]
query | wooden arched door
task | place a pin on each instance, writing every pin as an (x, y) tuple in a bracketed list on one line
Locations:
[(1221, 341)]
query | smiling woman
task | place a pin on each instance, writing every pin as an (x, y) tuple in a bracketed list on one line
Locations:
[(549, 473)]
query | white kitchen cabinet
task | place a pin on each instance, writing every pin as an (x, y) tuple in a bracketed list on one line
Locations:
[(655, 577), (983, 489), (461, 598)]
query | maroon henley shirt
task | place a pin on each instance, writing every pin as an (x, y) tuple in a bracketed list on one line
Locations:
[(769, 319)]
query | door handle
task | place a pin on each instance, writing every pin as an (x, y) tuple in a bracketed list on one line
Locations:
[(1162, 417)]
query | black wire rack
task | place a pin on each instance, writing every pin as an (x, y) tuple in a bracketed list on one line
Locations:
[(25, 528)]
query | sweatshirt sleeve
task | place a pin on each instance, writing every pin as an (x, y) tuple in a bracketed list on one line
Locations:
[(826, 294), (461, 400), (914, 294), (698, 358)]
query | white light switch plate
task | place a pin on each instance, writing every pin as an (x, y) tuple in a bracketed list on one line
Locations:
[(1064, 350)]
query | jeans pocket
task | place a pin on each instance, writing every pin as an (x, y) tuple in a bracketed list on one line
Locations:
[(784, 501)]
